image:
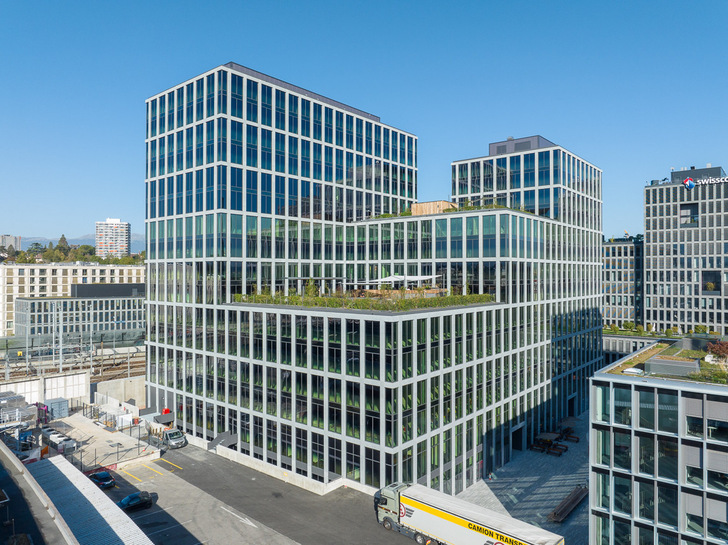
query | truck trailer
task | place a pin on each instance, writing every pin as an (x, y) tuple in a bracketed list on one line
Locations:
[(433, 518)]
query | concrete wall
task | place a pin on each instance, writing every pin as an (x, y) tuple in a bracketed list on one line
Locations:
[(123, 389), (73, 386)]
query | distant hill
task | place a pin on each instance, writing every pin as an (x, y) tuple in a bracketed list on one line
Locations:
[(137, 241)]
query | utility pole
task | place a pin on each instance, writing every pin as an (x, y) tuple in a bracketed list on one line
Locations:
[(60, 334)]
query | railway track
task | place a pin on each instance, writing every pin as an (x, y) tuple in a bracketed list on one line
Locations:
[(106, 367)]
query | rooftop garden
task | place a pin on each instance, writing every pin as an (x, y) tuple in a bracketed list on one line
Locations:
[(382, 300), (639, 359), (713, 362), (463, 208), (637, 330)]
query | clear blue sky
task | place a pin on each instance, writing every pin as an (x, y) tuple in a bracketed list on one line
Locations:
[(635, 88)]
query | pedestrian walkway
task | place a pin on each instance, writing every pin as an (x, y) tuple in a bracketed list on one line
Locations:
[(99, 447), (533, 484)]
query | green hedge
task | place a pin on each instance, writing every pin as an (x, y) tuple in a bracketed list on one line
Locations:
[(367, 303)]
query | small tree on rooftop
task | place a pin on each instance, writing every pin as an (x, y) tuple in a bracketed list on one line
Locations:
[(614, 328), (701, 329), (629, 326), (719, 349), (640, 330)]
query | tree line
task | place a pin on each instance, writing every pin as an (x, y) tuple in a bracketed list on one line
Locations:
[(62, 252)]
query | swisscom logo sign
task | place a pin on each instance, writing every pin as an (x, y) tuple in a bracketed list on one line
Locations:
[(689, 183)]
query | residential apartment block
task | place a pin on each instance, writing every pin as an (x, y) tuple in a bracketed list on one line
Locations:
[(113, 238), (623, 277), (658, 459), (686, 251), (54, 280), (255, 185)]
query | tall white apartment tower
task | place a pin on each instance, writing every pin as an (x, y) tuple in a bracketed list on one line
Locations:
[(112, 238)]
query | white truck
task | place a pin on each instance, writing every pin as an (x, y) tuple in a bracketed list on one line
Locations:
[(163, 436), (433, 518)]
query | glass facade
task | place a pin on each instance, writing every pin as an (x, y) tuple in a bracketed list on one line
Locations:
[(438, 396), (657, 475)]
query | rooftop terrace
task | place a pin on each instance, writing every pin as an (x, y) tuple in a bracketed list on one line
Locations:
[(387, 300), (666, 359)]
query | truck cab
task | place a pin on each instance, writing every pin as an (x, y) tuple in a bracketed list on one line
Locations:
[(386, 502)]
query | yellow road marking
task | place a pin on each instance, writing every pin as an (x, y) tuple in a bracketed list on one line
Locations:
[(130, 475), (170, 463), (155, 471)]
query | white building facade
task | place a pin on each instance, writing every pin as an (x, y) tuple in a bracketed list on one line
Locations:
[(256, 185), (658, 459), (55, 280), (686, 251)]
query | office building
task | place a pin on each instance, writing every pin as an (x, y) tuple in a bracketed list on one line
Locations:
[(90, 309), (10, 240), (54, 280), (255, 185), (658, 458), (113, 238), (686, 263), (623, 274)]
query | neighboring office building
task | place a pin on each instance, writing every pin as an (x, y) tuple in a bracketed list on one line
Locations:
[(54, 280), (658, 459), (113, 238), (623, 275), (91, 309), (686, 251), (372, 396), (10, 240)]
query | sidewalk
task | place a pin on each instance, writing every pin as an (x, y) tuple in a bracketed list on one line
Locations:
[(533, 483), (99, 447)]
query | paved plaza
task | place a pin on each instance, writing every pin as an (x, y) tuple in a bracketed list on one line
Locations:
[(532, 484), (101, 447)]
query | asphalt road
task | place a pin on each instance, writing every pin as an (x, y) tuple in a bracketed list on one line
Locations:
[(200, 497), (184, 515), (343, 516)]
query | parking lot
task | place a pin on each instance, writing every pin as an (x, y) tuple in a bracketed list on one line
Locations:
[(202, 498), (182, 514)]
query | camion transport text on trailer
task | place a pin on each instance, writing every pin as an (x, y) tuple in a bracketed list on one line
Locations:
[(431, 517)]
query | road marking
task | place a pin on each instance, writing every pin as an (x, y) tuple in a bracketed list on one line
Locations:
[(155, 471), (170, 463), (169, 527), (242, 519), (149, 514), (130, 475)]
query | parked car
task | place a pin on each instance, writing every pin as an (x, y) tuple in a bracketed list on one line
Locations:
[(103, 479), (138, 500)]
